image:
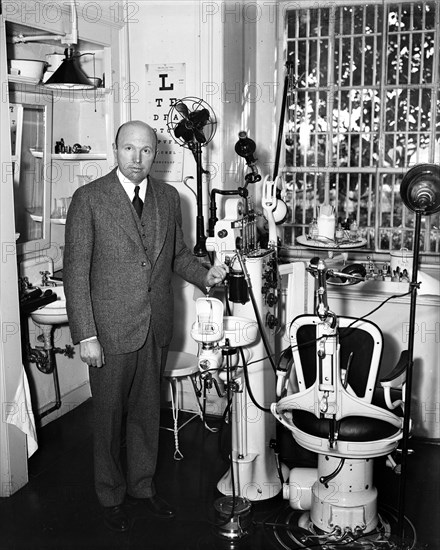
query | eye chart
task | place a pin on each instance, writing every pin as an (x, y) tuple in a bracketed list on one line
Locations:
[(165, 84)]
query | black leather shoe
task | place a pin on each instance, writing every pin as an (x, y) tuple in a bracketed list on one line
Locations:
[(115, 518), (155, 505)]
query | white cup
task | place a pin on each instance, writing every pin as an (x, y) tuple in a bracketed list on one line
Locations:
[(326, 226), (401, 259)]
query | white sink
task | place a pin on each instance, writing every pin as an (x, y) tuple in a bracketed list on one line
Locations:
[(54, 313)]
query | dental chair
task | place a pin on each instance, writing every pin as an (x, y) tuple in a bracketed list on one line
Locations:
[(326, 401)]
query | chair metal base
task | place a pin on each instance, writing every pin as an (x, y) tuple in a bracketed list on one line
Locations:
[(345, 502), (180, 366)]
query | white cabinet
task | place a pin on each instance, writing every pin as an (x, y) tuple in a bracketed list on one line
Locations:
[(81, 117), (30, 123)]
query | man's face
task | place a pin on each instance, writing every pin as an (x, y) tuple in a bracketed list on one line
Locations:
[(135, 151)]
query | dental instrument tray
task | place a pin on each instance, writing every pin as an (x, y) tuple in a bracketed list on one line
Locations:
[(324, 242)]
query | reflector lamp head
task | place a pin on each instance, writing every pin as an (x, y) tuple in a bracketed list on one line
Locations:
[(69, 75), (420, 188)]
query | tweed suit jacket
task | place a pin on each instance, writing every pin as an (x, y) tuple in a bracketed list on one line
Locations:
[(117, 269)]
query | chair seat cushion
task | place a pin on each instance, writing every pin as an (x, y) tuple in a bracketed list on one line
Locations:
[(350, 428)]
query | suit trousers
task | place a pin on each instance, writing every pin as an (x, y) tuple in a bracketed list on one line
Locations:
[(127, 389)]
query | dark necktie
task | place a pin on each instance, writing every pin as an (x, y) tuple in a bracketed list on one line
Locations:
[(137, 202)]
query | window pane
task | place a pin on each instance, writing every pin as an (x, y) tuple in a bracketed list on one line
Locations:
[(354, 124)]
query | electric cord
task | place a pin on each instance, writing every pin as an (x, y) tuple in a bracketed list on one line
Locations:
[(269, 354), (314, 340), (262, 331), (256, 311), (379, 306), (185, 182), (342, 542), (260, 407), (231, 461), (221, 431), (355, 320), (253, 399), (248, 384), (227, 413), (246, 372)]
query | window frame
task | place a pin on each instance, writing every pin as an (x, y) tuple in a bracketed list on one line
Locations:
[(375, 172)]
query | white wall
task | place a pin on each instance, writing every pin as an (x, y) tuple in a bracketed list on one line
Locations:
[(175, 32), (230, 54)]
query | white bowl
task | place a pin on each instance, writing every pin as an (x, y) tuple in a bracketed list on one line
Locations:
[(54, 313), (29, 68)]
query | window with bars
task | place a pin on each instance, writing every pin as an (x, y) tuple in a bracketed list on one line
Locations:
[(362, 106)]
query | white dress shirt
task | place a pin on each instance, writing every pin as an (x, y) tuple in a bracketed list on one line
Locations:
[(129, 186)]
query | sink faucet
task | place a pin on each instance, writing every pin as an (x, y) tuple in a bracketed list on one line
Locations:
[(45, 279)]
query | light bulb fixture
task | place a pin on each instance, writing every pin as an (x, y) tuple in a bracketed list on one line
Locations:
[(69, 75)]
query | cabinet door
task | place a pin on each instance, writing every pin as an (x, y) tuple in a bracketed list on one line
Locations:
[(13, 452), (30, 120)]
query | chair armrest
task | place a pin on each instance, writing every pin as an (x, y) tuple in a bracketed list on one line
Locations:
[(397, 377), (395, 380), (284, 368)]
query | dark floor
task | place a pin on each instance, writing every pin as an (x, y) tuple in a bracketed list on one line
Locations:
[(57, 509)]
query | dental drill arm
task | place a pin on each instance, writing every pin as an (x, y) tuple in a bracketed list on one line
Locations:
[(322, 309), (269, 202)]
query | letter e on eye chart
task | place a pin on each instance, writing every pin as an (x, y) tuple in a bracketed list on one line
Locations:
[(165, 84)]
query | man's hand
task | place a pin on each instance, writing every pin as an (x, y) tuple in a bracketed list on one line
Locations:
[(216, 274), (91, 352)]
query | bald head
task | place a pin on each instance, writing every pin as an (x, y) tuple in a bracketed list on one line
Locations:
[(133, 123), (135, 149)]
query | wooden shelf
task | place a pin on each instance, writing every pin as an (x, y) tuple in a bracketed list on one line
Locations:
[(23, 83), (37, 153), (79, 156)]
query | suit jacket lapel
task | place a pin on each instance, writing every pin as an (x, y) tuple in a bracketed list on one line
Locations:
[(155, 215), (121, 209)]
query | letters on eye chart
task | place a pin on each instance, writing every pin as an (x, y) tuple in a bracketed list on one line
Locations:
[(165, 84)]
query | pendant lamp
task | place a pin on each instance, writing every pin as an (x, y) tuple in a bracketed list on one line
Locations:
[(69, 75)]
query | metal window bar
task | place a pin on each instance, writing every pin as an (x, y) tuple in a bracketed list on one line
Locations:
[(367, 68)]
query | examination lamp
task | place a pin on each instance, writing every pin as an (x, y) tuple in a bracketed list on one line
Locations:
[(420, 192), (245, 147), (420, 189), (69, 75)]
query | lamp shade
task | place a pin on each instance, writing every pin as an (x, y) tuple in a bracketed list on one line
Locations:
[(69, 75), (245, 147), (420, 188)]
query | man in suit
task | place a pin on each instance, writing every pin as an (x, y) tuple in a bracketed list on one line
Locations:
[(123, 242)]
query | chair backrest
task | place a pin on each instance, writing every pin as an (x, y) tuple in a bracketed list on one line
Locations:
[(359, 353), (328, 402)]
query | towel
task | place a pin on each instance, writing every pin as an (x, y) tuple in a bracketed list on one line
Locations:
[(300, 292), (300, 289), (429, 286), (19, 413)]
